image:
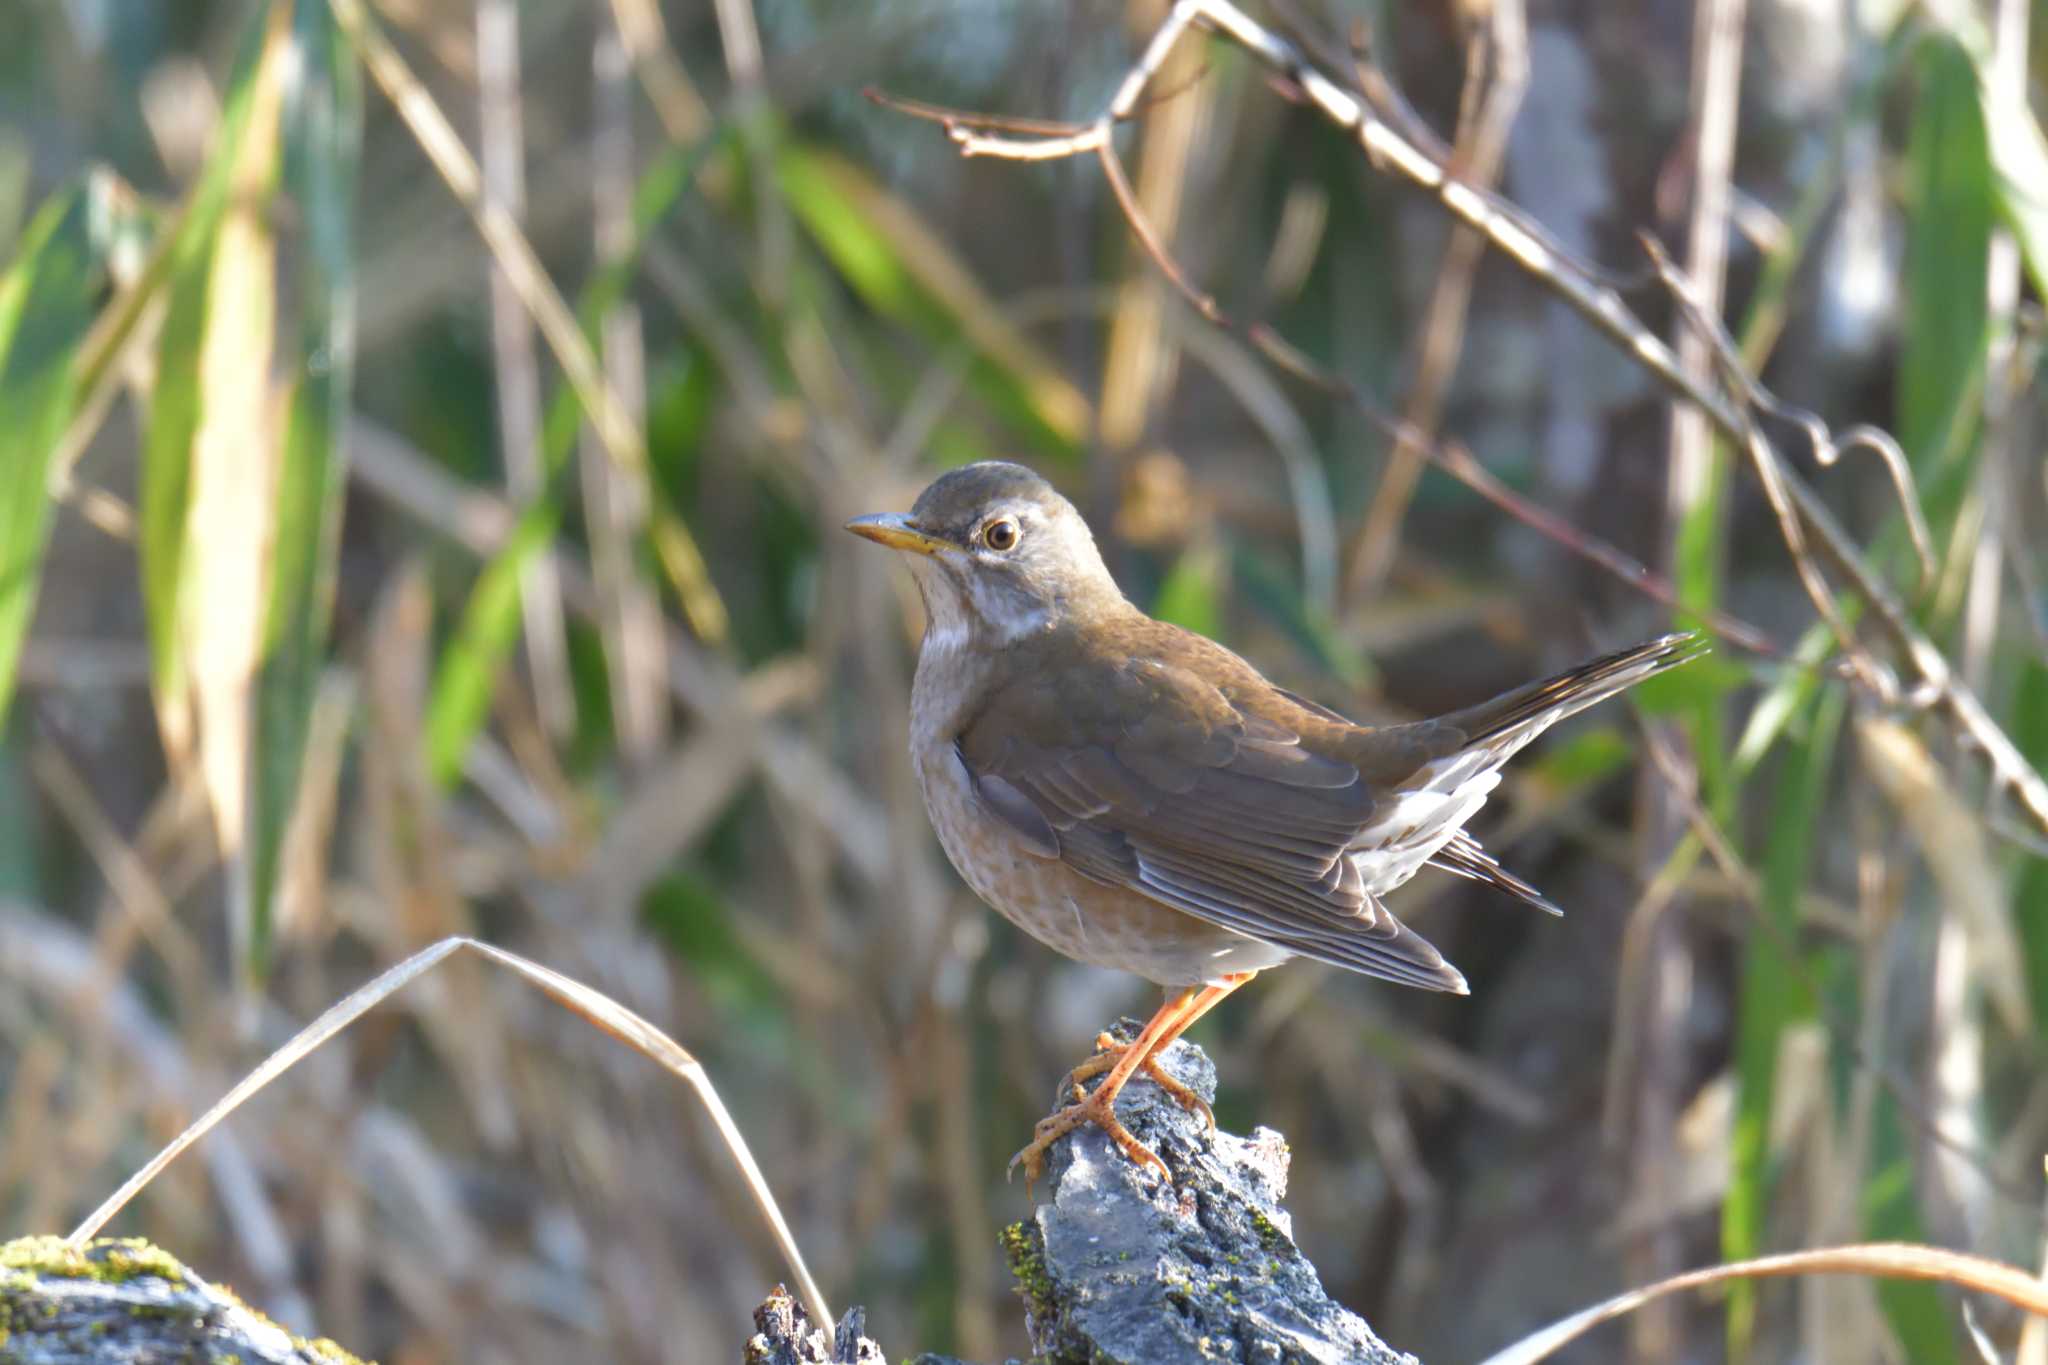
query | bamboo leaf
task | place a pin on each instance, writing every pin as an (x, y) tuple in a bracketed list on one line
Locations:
[(47, 299), (1189, 596), (1947, 258), (1773, 998), (322, 144), (178, 411), (2030, 731), (905, 272), (1916, 1311), (468, 671), (2018, 151)]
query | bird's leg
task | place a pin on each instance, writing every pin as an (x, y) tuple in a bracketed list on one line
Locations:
[(1108, 1051), (1122, 1060), (1099, 1108)]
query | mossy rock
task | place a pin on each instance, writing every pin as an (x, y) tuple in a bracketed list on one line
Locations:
[(122, 1301)]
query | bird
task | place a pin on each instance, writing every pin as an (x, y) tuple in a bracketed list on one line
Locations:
[(1137, 796)]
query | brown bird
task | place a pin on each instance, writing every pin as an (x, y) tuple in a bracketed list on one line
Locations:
[(1137, 796)]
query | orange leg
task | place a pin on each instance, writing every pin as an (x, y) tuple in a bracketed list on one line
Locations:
[(1122, 1061), (1108, 1051)]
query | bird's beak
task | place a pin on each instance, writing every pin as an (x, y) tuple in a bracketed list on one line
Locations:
[(896, 532)]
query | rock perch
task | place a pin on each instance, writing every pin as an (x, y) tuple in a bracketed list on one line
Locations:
[(1116, 1266), (1118, 1269)]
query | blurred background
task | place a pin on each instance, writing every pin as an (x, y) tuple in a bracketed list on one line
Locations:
[(334, 623)]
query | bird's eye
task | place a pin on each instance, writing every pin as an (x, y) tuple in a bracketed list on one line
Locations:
[(1000, 534)]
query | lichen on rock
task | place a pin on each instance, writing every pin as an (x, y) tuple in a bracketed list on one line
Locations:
[(122, 1301)]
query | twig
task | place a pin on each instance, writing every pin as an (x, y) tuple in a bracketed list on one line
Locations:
[(1450, 456), (1717, 353), (1498, 55)]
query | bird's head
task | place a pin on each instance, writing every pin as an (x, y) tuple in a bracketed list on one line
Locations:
[(998, 555)]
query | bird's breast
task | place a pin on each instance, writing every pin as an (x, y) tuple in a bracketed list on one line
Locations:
[(1109, 926)]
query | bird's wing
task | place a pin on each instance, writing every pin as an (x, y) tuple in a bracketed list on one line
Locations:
[(1143, 774)]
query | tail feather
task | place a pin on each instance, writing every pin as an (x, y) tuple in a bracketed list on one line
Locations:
[(1514, 718), (1421, 817), (1463, 856)]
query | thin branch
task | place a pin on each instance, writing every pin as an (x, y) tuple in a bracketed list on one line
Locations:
[(1450, 456), (950, 118), (1498, 61)]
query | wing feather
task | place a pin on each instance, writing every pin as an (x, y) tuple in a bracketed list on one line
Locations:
[(1236, 814)]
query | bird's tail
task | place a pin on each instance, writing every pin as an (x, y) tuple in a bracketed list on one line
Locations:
[(1512, 719), (1421, 819)]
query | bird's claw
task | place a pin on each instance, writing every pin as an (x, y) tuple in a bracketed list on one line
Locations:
[(1086, 1109)]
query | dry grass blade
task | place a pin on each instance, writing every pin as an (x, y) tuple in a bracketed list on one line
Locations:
[(613, 421), (502, 154), (234, 466), (593, 1006), (1885, 1260), (1951, 838)]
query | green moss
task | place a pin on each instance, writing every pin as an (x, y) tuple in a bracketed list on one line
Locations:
[(26, 1261), (1024, 1250), (111, 1260), (1270, 1236)]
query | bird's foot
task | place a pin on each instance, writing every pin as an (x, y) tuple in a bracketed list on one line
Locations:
[(1097, 1108), (1109, 1051)]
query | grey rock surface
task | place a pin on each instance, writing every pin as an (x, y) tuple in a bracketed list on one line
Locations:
[(123, 1302), (1118, 1266), (784, 1335)]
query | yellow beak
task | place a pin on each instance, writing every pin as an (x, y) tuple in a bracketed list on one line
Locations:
[(896, 532)]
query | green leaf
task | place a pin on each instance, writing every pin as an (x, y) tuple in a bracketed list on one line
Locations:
[(1692, 689), (175, 405), (1773, 997), (1891, 1214), (1190, 595), (1587, 757), (901, 269), (468, 670), (1948, 246), (1796, 684), (47, 303), (2030, 732), (323, 121), (2018, 150), (697, 924)]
